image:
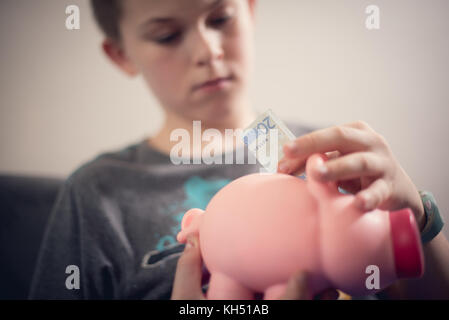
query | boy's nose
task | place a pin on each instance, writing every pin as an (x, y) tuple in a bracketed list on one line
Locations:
[(206, 48)]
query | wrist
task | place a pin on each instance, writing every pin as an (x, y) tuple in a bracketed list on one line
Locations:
[(420, 215), (419, 212), (434, 222)]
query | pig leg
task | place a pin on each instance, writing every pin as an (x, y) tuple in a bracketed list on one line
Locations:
[(275, 292), (222, 287)]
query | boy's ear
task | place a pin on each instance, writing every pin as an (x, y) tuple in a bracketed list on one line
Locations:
[(252, 8), (116, 53)]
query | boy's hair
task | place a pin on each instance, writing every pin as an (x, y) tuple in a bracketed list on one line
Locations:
[(108, 13)]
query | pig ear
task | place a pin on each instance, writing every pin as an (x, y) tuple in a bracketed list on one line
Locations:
[(188, 224), (189, 216)]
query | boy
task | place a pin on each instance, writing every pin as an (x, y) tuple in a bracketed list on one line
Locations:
[(117, 216)]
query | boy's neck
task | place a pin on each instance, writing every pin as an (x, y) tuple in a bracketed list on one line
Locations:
[(161, 141)]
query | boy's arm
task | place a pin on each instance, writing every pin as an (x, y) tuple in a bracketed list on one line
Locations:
[(59, 249), (78, 237)]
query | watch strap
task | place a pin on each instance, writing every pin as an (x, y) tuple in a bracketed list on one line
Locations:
[(434, 221)]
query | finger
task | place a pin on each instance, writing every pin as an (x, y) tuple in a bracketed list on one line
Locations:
[(187, 283), (291, 166), (297, 166), (297, 288), (342, 138), (351, 166), (373, 196), (359, 125), (297, 171), (343, 296), (333, 154)]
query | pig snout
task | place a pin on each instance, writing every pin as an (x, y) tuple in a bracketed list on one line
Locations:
[(190, 224)]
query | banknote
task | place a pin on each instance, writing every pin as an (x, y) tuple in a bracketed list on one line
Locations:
[(265, 138)]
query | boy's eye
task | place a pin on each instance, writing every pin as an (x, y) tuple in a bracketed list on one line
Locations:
[(169, 38), (217, 22), (222, 16)]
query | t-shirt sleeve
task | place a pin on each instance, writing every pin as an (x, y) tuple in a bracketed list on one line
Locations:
[(84, 253)]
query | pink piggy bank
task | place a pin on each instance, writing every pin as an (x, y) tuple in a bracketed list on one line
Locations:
[(261, 228)]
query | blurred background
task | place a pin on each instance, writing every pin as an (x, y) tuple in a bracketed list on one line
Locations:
[(62, 102)]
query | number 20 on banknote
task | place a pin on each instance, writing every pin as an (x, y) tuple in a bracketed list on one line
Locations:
[(265, 138)]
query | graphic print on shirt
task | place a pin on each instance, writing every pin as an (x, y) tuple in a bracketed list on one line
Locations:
[(198, 192)]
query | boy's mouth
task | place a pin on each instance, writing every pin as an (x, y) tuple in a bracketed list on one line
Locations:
[(215, 83)]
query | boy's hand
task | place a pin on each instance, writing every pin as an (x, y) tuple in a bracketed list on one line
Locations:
[(188, 278), (187, 284), (360, 162), (297, 289)]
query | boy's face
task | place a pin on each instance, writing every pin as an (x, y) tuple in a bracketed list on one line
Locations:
[(181, 45)]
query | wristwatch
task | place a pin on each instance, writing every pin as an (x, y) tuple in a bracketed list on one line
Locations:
[(434, 222)]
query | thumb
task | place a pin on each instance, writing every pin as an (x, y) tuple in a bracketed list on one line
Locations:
[(187, 283), (297, 288)]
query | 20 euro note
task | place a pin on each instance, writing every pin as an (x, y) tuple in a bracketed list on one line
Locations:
[(265, 138)]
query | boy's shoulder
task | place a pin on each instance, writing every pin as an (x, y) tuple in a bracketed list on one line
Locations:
[(108, 165)]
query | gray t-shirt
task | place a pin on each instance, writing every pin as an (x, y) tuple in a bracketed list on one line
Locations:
[(116, 220)]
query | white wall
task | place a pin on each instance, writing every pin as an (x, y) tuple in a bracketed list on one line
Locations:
[(62, 102)]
